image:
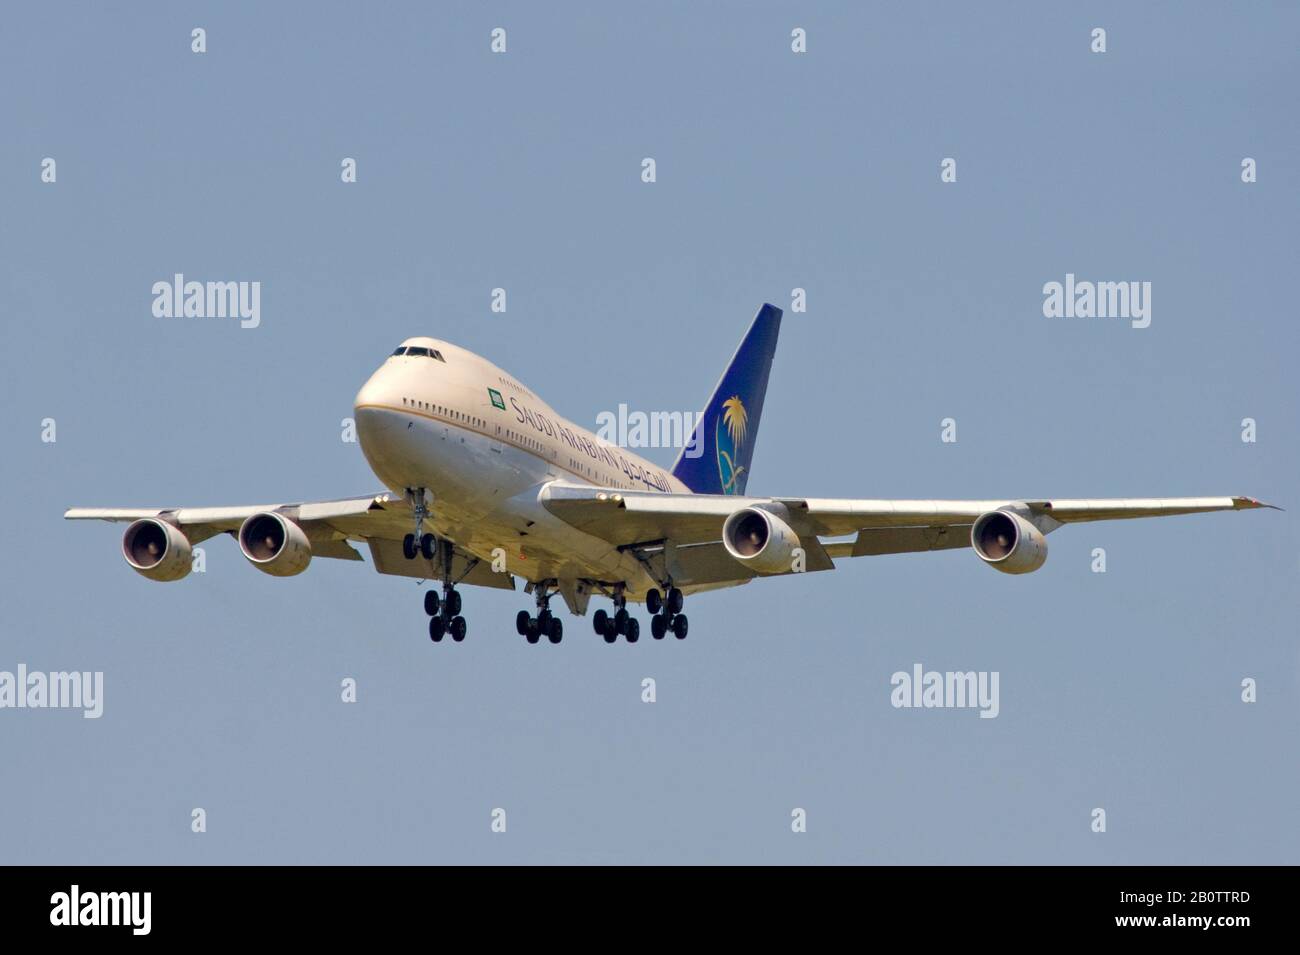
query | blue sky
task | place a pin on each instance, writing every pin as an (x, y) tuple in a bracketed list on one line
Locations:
[(774, 171)]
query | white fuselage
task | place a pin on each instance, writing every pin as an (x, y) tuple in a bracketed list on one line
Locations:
[(483, 445)]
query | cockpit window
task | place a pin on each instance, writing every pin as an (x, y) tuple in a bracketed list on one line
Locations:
[(419, 351)]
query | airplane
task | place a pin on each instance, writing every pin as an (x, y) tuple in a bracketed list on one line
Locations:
[(485, 483)]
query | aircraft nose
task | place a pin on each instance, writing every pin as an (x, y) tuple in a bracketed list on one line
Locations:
[(371, 394), (372, 410), (383, 430)]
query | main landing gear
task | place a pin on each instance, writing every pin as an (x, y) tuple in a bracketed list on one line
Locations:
[(621, 622), (444, 613), (667, 613), (667, 617), (545, 623)]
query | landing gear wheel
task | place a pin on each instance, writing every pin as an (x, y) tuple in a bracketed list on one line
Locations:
[(620, 620), (598, 621), (658, 626), (427, 545), (409, 548), (431, 602), (522, 619), (653, 601), (611, 632), (533, 634), (556, 632), (679, 626), (458, 628), (437, 627), (453, 602), (544, 620), (633, 630), (675, 600)]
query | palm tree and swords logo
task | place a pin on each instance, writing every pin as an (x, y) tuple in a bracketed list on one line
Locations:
[(729, 438)]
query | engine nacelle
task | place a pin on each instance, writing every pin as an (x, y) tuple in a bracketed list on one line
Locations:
[(157, 550), (274, 544), (1007, 542), (760, 540)]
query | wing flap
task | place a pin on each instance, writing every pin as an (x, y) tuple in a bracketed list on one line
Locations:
[(337, 549), (631, 517), (465, 568), (909, 540)]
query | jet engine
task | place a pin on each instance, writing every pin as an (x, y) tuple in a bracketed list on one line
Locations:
[(274, 544), (157, 550), (1007, 542), (760, 540)]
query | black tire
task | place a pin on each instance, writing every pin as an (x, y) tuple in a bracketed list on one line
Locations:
[(658, 626), (653, 601), (522, 619), (633, 630), (458, 628), (675, 600), (598, 621), (556, 633), (680, 626), (533, 634), (437, 627), (409, 549), (427, 545), (610, 634), (544, 619), (453, 602), (620, 620), (431, 602)]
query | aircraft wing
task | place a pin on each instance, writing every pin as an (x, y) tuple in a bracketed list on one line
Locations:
[(692, 523), (380, 521)]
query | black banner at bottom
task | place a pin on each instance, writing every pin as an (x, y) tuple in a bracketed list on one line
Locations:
[(367, 904)]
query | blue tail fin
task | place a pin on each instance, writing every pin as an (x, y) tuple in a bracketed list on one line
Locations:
[(723, 443)]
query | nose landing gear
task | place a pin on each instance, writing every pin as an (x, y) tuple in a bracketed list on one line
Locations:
[(419, 544)]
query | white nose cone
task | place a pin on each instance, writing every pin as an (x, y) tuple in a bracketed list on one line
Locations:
[(371, 393)]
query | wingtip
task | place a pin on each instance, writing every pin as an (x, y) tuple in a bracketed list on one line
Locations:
[(1249, 503)]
